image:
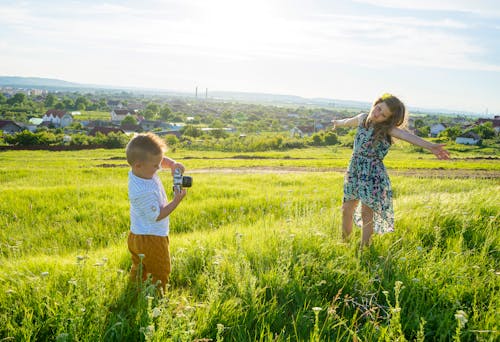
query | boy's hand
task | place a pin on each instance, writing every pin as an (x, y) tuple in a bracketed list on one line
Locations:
[(177, 165), (179, 194)]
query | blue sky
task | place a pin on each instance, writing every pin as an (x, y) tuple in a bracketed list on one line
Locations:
[(432, 54)]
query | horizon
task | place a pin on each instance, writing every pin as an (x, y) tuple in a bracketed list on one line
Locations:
[(442, 55), (239, 96)]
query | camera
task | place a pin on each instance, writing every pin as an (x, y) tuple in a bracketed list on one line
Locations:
[(181, 181)]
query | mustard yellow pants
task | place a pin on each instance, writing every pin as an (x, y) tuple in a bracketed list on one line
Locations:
[(156, 260)]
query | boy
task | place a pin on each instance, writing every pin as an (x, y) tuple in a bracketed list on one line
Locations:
[(149, 208)]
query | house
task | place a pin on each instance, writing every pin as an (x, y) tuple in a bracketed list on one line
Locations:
[(33, 124), (115, 104), (436, 129), (10, 127), (119, 114), (468, 138), (131, 128), (58, 118)]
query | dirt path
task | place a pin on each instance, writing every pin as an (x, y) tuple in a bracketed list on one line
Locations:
[(421, 173)]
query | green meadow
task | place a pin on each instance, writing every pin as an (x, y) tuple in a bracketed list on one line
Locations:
[(256, 248)]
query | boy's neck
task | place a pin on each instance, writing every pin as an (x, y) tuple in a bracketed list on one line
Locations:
[(137, 173)]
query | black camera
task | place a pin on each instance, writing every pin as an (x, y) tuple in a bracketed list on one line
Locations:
[(181, 181)]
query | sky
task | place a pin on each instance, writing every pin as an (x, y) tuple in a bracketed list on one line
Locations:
[(439, 54)]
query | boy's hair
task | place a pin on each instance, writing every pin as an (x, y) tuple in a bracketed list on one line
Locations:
[(397, 118), (142, 146)]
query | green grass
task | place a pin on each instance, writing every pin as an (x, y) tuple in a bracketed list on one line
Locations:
[(93, 115), (256, 256)]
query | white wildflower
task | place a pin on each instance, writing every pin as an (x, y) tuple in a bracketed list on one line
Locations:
[(156, 312), (461, 317)]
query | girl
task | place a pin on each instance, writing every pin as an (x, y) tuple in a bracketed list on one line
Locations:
[(366, 180)]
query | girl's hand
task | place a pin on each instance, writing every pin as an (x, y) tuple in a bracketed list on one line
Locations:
[(334, 123), (439, 151)]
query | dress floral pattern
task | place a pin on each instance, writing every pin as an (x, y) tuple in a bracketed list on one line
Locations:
[(367, 180)]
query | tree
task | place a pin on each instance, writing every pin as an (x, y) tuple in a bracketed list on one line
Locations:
[(451, 133), (331, 138), (485, 131), (128, 120), (17, 99), (165, 112), (68, 103), (217, 124), (148, 114), (50, 100), (81, 103), (3, 99), (152, 110), (191, 131), (171, 140), (103, 104), (424, 131), (218, 133), (419, 123)]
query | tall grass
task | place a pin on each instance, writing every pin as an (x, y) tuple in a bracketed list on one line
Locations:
[(256, 257)]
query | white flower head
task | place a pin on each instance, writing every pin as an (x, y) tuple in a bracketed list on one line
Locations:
[(156, 312), (461, 317)]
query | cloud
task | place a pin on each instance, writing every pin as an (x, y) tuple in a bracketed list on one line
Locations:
[(487, 8)]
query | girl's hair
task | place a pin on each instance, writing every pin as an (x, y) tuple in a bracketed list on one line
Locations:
[(397, 118), (143, 146)]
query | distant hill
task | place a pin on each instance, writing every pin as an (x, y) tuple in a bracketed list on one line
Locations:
[(30, 82), (273, 99)]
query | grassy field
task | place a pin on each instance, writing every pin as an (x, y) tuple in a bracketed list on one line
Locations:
[(257, 251)]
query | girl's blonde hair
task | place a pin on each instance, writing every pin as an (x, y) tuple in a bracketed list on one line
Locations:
[(397, 118)]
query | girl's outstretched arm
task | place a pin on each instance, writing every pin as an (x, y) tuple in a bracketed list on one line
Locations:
[(349, 122), (437, 149)]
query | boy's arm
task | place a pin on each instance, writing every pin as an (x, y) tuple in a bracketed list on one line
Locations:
[(349, 122), (167, 210), (171, 164), (436, 149)]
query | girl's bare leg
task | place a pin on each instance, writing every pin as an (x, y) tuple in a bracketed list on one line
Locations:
[(347, 214), (367, 216)]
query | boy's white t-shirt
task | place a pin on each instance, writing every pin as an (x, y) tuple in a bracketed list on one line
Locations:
[(146, 197)]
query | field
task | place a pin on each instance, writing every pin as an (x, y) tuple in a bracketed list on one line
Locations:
[(257, 251)]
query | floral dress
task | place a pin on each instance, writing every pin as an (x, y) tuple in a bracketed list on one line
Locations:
[(367, 180)]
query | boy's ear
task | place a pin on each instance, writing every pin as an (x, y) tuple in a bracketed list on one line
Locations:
[(137, 165)]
